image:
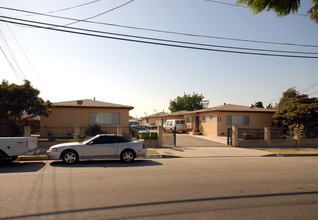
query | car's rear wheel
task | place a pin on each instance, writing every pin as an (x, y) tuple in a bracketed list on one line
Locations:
[(127, 156), (70, 157)]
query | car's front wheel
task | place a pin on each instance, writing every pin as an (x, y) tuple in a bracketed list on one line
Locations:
[(70, 157), (127, 156)]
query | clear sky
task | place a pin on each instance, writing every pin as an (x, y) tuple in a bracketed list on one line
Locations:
[(72, 67)]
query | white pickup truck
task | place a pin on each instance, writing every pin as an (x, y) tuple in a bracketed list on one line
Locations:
[(12, 147)]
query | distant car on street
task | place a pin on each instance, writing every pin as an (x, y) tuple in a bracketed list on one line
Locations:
[(151, 126), (99, 147), (133, 123)]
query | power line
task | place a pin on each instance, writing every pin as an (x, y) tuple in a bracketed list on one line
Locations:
[(151, 42), (309, 87), (27, 58), (166, 32), (11, 54), (99, 14), (164, 40), (11, 65), (242, 6), (76, 6)]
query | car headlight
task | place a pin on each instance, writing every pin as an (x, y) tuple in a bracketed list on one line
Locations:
[(52, 149)]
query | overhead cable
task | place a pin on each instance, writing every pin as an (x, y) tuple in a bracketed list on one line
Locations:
[(160, 39), (95, 16), (164, 31), (68, 30)]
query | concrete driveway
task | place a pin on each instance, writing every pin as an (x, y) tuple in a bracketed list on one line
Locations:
[(190, 146)]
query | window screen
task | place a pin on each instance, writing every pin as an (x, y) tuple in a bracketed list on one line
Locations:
[(237, 120), (104, 118)]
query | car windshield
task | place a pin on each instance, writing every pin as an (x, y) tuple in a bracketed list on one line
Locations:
[(88, 140)]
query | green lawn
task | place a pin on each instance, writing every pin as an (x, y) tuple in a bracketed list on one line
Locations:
[(153, 152)]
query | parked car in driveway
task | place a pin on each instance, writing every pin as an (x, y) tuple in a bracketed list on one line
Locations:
[(99, 147), (178, 124), (151, 126), (133, 123)]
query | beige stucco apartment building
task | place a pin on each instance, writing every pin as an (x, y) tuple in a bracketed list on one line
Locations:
[(87, 112), (215, 121)]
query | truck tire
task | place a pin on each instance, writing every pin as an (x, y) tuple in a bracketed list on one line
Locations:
[(2, 159)]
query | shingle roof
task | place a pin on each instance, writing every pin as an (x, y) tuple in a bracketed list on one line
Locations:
[(159, 114), (88, 103), (234, 108)]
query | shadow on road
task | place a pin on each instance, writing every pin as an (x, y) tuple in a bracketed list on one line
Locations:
[(106, 163), (17, 167), (169, 202)]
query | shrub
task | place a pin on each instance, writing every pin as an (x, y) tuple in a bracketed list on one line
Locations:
[(93, 130), (147, 135)]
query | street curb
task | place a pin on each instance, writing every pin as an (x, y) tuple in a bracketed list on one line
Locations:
[(33, 157), (159, 156), (291, 155)]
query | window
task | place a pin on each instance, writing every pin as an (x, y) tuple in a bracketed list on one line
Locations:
[(189, 119), (159, 120), (206, 117), (219, 120), (237, 120), (103, 118)]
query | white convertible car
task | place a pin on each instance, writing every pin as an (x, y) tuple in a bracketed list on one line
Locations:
[(98, 147)]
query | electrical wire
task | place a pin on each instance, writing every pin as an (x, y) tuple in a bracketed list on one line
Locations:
[(27, 58), (66, 30), (164, 40), (76, 6), (11, 54), (166, 32), (11, 65), (95, 16), (309, 87)]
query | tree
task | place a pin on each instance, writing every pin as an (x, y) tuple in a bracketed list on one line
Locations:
[(21, 102), (258, 104), (280, 7), (187, 102), (298, 110)]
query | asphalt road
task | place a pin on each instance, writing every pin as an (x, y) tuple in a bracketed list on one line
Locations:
[(187, 188)]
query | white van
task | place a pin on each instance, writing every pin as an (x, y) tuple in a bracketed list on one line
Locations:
[(178, 123)]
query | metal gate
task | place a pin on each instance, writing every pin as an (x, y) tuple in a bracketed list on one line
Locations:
[(229, 136), (169, 138)]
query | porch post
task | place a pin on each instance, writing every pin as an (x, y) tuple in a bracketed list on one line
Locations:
[(267, 136), (76, 132), (234, 136), (297, 136), (27, 131), (119, 130), (160, 132)]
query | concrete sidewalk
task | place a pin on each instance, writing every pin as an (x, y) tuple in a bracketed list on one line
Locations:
[(200, 152)]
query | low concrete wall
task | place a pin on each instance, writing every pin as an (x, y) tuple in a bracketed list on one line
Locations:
[(283, 143), (151, 143), (279, 143), (252, 143), (308, 143)]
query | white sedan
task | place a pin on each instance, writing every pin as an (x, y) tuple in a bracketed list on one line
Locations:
[(98, 147)]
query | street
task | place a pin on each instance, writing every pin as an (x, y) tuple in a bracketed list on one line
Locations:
[(179, 188)]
